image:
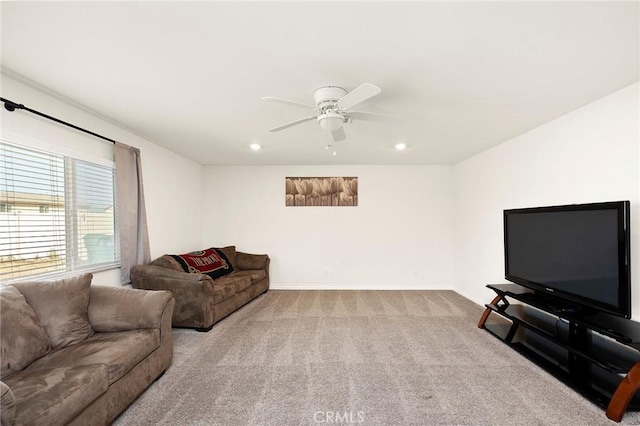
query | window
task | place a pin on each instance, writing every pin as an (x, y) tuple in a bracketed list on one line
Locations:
[(57, 214)]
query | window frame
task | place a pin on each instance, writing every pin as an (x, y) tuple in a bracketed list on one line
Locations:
[(68, 155)]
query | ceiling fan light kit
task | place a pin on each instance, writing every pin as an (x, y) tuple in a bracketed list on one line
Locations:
[(331, 120), (332, 107)]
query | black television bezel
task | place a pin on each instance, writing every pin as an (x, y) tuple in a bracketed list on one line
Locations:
[(624, 258)]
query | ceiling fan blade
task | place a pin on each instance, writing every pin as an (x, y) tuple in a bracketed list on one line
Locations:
[(293, 123), (338, 135), (369, 116), (288, 102), (357, 95)]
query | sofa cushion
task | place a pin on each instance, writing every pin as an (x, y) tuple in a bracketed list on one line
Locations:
[(222, 292), (254, 274), (247, 261), (61, 307), (209, 261), (232, 255), (238, 280), (119, 351), (23, 339), (55, 396), (8, 405)]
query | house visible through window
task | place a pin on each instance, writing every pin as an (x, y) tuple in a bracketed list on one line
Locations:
[(56, 214)]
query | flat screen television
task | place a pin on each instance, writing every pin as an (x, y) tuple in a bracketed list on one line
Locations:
[(577, 255)]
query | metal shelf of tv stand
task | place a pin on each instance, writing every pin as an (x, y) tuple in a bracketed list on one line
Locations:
[(575, 369), (623, 330), (518, 315)]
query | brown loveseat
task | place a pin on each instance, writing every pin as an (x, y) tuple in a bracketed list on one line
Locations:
[(72, 353), (201, 300)]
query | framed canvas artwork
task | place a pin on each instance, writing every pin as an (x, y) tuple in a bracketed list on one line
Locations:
[(321, 191)]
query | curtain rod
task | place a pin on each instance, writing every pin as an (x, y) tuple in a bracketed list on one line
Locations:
[(12, 106)]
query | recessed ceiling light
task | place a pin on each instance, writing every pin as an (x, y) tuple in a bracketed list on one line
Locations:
[(401, 146), (255, 146)]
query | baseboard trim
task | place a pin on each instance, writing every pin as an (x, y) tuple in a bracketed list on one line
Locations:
[(469, 298), (359, 287)]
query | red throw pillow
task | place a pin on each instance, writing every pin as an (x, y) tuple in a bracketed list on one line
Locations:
[(210, 261)]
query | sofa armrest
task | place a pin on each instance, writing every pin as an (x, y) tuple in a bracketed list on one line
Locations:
[(192, 292), (118, 308), (248, 261), (7, 406), (148, 277)]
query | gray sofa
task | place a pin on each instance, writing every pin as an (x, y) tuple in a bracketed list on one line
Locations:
[(201, 300), (72, 353)]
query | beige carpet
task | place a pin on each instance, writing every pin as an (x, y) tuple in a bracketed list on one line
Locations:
[(356, 357)]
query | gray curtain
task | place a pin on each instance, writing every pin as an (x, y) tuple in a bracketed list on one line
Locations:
[(132, 216)]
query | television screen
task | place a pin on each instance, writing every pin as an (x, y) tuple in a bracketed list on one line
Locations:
[(576, 252)]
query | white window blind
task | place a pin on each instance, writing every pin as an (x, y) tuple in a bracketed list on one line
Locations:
[(57, 214)]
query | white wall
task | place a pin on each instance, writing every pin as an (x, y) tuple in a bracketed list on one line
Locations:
[(589, 155), (399, 236), (415, 227), (172, 183)]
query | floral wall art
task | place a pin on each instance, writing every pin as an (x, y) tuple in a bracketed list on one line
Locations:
[(321, 191)]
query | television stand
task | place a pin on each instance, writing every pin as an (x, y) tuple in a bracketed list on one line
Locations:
[(597, 354)]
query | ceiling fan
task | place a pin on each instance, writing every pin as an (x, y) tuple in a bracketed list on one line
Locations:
[(333, 108)]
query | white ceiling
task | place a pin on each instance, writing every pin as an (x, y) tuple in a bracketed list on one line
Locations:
[(463, 76)]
